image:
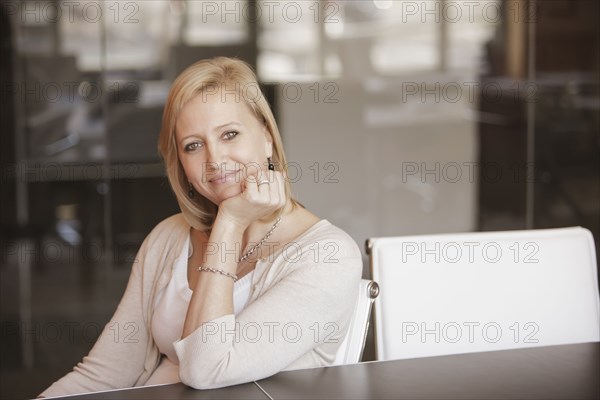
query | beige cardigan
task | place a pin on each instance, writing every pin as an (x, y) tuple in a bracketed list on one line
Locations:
[(299, 309)]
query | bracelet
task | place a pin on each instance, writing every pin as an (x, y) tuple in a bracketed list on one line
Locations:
[(218, 271)]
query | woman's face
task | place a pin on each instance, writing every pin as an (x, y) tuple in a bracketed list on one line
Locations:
[(220, 142)]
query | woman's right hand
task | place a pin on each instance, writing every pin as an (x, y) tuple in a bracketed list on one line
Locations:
[(254, 201)]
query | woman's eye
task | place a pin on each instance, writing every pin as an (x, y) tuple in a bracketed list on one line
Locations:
[(230, 135), (192, 146)]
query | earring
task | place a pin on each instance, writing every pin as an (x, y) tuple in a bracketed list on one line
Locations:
[(271, 166), (191, 191)]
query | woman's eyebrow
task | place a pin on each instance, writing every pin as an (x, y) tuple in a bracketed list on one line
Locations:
[(227, 124), (188, 136)]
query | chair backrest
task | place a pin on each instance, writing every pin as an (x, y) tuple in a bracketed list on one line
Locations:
[(351, 349), (470, 292)]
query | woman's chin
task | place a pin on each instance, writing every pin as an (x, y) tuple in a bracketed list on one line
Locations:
[(228, 193)]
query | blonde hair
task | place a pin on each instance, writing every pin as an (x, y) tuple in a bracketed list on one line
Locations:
[(200, 78)]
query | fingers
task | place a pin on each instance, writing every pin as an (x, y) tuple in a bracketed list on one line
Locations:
[(265, 180), (276, 188), (265, 188), (268, 188)]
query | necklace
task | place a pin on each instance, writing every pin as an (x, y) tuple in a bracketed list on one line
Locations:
[(262, 241), (252, 249)]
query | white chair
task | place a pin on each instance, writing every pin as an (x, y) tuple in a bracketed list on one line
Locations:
[(351, 349), (471, 292)]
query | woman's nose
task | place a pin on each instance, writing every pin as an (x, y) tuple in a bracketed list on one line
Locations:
[(215, 155)]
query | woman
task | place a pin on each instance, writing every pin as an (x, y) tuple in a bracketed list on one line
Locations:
[(245, 282)]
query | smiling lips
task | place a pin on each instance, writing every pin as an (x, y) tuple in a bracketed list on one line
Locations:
[(228, 177)]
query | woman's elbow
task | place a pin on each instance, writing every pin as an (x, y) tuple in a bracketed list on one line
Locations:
[(202, 378), (198, 383), (197, 377)]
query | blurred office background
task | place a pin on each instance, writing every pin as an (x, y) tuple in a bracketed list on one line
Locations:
[(399, 117)]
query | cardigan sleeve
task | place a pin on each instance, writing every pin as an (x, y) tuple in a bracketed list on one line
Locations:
[(117, 358), (308, 309)]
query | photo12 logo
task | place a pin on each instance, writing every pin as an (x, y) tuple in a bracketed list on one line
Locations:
[(36, 12), (270, 12), (469, 332), (271, 332), (70, 332), (69, 92), (483, 252), (453, 12)]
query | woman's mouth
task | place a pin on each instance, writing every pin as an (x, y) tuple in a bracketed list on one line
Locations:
[(225, 178)]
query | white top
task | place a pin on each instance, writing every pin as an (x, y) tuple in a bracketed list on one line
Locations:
[(169, 316)]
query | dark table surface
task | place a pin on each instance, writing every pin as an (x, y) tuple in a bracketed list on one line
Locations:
[(554, 372), (177, 391)]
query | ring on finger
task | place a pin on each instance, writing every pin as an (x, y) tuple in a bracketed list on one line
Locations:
[(263, 182)]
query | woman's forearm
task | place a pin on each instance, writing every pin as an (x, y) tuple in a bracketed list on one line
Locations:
[(213, 292)]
